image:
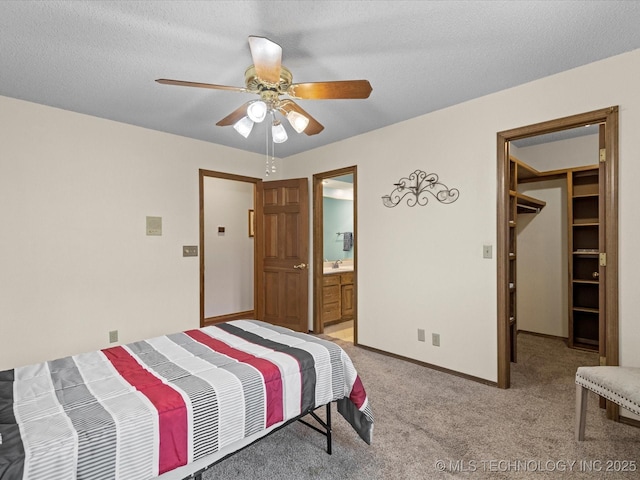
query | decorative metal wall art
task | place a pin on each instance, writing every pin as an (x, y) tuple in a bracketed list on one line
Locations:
[(416, 187)]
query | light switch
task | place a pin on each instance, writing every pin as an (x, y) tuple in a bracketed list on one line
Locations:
[(487, 251), (189, 251)]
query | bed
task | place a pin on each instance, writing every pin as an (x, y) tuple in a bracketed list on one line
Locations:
[(170, 406)]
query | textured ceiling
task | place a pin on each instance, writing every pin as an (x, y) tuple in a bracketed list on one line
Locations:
[(101, 57)]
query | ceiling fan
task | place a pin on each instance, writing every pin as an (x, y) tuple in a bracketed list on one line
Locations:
[(269, 79)]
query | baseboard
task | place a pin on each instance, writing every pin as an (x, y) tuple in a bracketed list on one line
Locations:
[(629, 421), (227, 318), (543, 335), (429, 365)]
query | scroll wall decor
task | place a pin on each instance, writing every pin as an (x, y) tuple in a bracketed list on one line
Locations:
[(417, 188)]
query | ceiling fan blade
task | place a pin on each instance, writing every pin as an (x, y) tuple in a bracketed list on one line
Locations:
[(287, 106), (330, 90), (267, 58), (181, 83), (234, 116)]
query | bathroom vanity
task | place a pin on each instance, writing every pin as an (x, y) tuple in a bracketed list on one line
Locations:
[(337, 295)]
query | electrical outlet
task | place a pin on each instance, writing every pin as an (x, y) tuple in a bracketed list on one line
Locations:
[(435, 339), (113, 336), (421, 337)]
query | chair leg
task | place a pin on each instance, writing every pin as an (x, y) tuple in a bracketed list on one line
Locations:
[(581, 411)]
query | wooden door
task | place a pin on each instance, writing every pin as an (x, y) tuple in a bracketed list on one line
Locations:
[(283, 255)]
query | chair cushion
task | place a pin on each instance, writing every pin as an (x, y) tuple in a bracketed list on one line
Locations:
[(621, 385)]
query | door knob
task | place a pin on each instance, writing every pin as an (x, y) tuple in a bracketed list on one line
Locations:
[(300, 266)]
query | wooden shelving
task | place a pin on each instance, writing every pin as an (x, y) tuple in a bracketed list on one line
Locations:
[(519, 204), (584, 258), (584, 236)]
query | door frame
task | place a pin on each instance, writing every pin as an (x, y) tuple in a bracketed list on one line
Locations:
[(608, 116), (256, 241), (318, 246)]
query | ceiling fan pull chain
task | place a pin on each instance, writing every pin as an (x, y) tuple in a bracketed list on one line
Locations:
[(273, 159), (266, 152), (273, 145)]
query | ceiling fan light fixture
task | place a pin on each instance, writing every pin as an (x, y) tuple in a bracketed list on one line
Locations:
[(257, 111), (298, 121), (278, 133), (243, 126)]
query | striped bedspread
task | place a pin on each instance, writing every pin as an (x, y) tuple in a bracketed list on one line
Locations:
[(139, 410)]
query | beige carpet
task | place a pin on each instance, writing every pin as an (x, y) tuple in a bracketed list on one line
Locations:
[(434, 425)]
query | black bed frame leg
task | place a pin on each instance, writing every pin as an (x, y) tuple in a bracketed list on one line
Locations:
[(325, 424), (329, 428)]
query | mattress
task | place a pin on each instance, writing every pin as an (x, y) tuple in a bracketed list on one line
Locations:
[(169, 404)]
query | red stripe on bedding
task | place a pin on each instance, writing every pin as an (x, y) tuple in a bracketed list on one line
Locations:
[(172, 412), (358, 395), (269, 371)]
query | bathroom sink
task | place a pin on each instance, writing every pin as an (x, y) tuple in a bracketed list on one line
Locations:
[(340, 269)]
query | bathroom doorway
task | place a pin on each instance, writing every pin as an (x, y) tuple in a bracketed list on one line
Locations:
[(335, 253)]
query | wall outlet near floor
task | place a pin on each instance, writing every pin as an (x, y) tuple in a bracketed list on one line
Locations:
[(113, 336), (421, 337), (435, 339)]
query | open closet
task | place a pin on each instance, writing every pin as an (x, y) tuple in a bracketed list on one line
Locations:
[(582, 259), (556, 278)]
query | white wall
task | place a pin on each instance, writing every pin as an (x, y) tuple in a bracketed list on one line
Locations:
[(422, 267), (228, 256), (542, 263), (75, 261)]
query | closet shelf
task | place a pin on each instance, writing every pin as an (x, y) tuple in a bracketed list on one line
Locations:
[(585, 309), (587, 253), (528, 204)]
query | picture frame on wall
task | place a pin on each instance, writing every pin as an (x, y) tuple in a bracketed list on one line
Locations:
[(252, 223)]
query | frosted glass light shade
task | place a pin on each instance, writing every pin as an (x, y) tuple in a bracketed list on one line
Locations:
[(298, 121), (243, 126), (257, 111), (278, 133)]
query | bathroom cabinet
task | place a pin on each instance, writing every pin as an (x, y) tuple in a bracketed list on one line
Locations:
[(337, 297)]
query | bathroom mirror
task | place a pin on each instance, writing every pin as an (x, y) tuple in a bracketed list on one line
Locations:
[(337, 208)]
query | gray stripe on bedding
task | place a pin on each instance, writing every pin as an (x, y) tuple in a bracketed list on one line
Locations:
[(335, 353), (96, 429), (306, 361), (11, 447), (201, 395), (250, 379)]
